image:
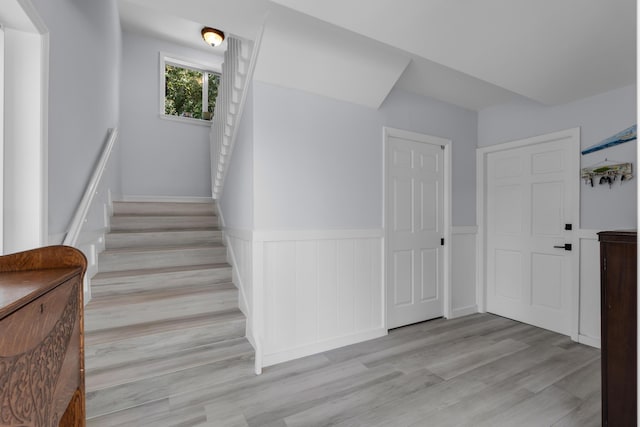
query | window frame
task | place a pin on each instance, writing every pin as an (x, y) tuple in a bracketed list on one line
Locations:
[(176, 60)]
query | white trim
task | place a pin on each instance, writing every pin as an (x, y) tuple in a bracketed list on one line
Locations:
[(464, 229), (573, 136), (184, 62), (185, 120), (35, 18), (388, 132), (243, 303), (91, 189), (218, 163), (586, 340), (238, 233), (2, 84), (169, 199), (319, 347), (464, 311), (585, 234), (44, 115), (333, 234), (257, 329)]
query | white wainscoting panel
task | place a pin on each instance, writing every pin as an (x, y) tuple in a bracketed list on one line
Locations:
[(321, 290), (463, 271), (589, 322), (239, 255)]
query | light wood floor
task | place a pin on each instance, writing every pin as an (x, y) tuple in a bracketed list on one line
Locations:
[(479, 370)]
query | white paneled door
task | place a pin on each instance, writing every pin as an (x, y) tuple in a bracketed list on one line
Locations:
[(415, 227), (531, 220)]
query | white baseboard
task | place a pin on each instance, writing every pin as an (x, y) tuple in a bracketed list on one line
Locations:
[(590, 341), (463, 311), (319, 347), (91, 244), (183, 199)]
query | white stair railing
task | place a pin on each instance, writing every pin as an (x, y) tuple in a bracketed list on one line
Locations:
[(80, 216), (239, 61)]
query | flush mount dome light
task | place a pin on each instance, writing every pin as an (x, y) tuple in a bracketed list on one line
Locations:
[(212, 36)]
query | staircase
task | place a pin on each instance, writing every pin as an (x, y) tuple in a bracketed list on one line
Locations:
[(164, 317)]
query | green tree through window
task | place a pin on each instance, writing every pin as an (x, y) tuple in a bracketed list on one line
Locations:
[(184, 90)]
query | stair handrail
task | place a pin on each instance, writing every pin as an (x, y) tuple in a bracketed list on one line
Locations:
[(80, 216), (237, 72)]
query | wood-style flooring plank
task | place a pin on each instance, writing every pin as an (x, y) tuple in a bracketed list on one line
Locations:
[(541, 409), (479, 370), (362, 400)]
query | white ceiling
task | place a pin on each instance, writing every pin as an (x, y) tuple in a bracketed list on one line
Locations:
[(469, 53), (12, 15)]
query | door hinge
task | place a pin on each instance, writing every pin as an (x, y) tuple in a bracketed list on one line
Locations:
[(442, 241), (604, 264), (442, 147)]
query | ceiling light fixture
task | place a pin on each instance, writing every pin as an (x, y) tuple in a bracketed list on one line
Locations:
[(212, 36)]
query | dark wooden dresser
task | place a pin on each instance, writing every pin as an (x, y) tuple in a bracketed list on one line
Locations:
[(618, 292), (41, 338)]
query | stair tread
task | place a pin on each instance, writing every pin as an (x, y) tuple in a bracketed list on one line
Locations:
[(165, 308), (165, 364), (159, 326), (152, 271), (103, 301), (166, 230), (208, 245), (160, 216)]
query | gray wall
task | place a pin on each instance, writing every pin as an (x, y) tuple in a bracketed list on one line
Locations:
[(416, 113), (84, 62), (159, 157), (318, 162), (598, 117), (236, 202)]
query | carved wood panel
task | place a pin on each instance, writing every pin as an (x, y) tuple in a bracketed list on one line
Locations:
[(28, 380)]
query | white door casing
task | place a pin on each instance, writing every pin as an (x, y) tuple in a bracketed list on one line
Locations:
[(416, 219), (529, 193)]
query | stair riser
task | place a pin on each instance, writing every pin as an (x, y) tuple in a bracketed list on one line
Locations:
[(149, 282), (98, 318), (137, 223), (166, 238), (163, 208), (134, 349), (121, 261), (111, 399)]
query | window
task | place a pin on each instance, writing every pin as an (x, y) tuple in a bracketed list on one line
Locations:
[(188, 90)]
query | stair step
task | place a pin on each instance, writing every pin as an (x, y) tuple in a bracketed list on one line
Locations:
[(161, 223), (155, 365), (132, 281), (115, 311), (150, 238), (184, 373), (114, 335), (164, 208), (158, 257), (163, 318)]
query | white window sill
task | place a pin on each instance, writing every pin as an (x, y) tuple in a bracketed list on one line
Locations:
[(186, 120)]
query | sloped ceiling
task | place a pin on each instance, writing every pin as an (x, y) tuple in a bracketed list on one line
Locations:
[(469, 53), (303, 53)]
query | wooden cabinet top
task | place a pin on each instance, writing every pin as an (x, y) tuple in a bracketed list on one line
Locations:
[(27, 275), (19, 288), (624, 236)]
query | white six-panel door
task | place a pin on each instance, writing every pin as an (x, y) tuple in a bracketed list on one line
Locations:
[(414, 224), (529, 208)]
